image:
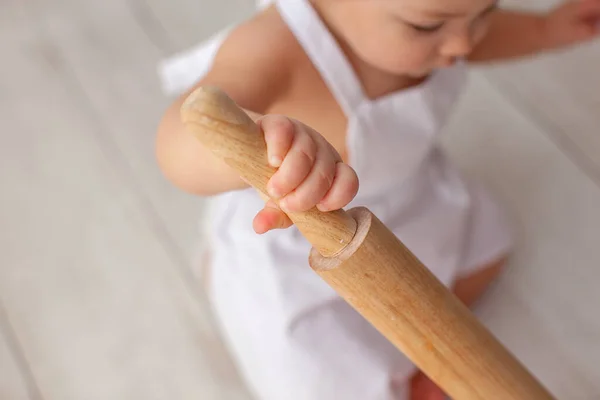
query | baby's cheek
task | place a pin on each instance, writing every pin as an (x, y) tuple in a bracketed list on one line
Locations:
[(416, 58), (401, 57), (382, 55), (391, 51)]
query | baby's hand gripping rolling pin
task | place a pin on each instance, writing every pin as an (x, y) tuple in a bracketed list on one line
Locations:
[(374, 272)]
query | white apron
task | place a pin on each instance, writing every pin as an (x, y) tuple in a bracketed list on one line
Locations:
[(293, 338)]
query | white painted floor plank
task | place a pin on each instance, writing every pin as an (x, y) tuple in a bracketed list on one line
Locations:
[(557, 217), (524, 333), (97, 302), (114, 72), (187, 22), (558, 90), (96, 298), (12, 381)]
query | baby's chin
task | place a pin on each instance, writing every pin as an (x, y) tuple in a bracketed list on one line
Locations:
[(428, 70), (421, 73)]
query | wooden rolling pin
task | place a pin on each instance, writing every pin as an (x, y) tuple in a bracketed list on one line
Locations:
[(375, 273)]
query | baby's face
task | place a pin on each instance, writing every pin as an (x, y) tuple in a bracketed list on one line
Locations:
[(410, 36)]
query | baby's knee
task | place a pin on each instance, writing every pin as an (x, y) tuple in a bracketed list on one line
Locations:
[(470, 288), (423, 388)]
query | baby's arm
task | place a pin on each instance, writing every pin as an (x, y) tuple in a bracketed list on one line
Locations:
[(511, 35), (250, 68), (519, 34), (253, 70)]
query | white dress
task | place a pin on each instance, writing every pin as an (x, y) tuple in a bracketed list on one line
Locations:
[(293, 338)]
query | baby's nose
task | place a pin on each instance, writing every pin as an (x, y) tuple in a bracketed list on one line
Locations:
[(457, 46), (448, 62)]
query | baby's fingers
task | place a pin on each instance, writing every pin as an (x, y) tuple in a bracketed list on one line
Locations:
[(588, 10), (343, 189), (269, 218), (296, 165), (279, 136), (312, 190)]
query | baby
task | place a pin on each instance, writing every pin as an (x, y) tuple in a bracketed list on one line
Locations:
[(347, 92)]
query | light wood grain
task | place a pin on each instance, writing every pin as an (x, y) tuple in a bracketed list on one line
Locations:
[(390, 287), (226, 130), (374, 272)]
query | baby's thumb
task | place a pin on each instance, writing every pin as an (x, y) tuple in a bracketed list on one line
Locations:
[(269, 218), (588, 12)]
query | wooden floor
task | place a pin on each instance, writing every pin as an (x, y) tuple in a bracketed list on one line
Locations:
[(99, 294)]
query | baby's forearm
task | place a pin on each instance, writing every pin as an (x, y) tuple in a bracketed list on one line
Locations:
[(187, 164), (252, 67), (512, 35)]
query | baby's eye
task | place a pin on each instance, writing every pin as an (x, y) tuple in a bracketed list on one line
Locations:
[(427, 28)]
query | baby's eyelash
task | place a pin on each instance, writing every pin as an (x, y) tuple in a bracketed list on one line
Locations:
[(426, 29)]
